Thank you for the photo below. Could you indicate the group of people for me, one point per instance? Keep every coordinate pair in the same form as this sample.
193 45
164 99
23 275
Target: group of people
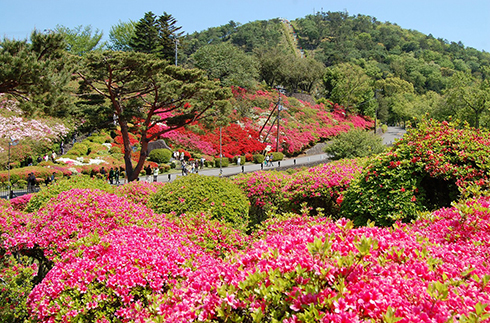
149 171
268 160
113 176
32 180
191 167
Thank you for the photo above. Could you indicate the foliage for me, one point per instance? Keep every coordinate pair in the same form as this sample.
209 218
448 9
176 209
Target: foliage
120 36
35 73
195 193
16 274
355 143
156 35
432 166
172 96
227 63
42 198
80 40
160 156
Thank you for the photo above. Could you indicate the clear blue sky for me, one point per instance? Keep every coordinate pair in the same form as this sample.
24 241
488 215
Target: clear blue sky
467 21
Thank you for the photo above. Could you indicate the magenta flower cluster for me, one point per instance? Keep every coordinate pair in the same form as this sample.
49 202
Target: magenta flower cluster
112 259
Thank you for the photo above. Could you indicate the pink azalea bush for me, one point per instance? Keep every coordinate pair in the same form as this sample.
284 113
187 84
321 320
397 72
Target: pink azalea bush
317 187
305 269
302 125
138 191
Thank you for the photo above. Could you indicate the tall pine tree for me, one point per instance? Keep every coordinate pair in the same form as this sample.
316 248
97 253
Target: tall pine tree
156 35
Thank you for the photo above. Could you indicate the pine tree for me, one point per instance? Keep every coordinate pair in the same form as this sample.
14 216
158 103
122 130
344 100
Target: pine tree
156 35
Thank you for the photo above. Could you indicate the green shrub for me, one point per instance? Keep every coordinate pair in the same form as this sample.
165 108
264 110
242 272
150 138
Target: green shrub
78 149
277 155
196 193
160 156
40 199
225 162
258 158
355 143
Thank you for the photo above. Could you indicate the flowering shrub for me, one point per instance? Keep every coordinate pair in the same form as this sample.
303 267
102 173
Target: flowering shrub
317 187
40 199
195 193
138 191
20 203
432 166
321 187
301 126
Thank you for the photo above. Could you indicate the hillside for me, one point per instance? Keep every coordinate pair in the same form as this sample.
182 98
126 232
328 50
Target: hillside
407 72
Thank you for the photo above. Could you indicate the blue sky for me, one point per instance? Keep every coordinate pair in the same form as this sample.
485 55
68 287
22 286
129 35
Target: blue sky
455 20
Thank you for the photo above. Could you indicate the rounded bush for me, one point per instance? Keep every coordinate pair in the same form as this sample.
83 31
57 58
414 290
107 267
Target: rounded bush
195 193
277 155
40 199
160 156
225 162
355 143
258 158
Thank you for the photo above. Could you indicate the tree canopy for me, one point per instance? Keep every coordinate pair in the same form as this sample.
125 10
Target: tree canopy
36 73
149 97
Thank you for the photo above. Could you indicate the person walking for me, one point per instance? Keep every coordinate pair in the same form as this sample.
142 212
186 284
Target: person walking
267 160
155 174
148 173
103 172
116 175
111 176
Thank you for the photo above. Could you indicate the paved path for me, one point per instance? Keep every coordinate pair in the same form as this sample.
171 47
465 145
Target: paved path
391 134
388 138
234 169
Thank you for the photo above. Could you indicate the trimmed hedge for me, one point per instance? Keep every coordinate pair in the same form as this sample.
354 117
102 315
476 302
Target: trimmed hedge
195 193
160 156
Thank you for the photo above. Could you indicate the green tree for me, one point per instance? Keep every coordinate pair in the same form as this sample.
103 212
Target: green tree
349 86
228 63
80 40
36 73
156 35
271 63
471 93
149 97
120 36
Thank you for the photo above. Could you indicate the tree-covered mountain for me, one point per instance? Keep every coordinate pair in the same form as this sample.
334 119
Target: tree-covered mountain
354 60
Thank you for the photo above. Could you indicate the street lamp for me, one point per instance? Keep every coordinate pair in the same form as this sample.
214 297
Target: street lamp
11 143
220 154
176 43
279 109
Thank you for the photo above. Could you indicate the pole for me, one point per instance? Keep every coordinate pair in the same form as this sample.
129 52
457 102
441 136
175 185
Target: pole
176 42
278 118
8 170
220 153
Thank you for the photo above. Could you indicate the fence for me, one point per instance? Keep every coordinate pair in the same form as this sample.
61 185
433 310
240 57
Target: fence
8 194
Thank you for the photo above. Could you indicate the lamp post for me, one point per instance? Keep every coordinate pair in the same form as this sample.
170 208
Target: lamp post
220 154
279 109
176 43
11 143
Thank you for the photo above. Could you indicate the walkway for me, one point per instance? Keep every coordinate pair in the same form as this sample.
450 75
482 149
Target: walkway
248 168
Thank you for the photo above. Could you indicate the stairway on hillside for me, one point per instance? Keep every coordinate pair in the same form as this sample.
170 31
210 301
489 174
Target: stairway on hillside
291 34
